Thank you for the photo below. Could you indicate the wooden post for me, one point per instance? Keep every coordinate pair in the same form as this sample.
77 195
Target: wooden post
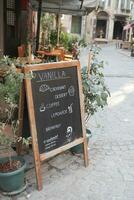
89 63
85 148
20 113
38 24
29 54
58 29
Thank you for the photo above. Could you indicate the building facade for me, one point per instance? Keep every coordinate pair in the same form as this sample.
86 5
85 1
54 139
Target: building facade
11 26
17 25
74 24
107 22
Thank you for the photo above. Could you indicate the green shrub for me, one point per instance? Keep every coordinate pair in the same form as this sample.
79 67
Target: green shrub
95 90
53 37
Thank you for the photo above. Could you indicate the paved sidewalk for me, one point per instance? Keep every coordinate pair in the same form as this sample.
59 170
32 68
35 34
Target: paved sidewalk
125 52
110 175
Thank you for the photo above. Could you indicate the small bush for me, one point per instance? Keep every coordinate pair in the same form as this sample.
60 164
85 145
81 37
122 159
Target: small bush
95 90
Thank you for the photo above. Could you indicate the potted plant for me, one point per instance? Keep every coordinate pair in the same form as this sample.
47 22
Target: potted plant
11 168
95 90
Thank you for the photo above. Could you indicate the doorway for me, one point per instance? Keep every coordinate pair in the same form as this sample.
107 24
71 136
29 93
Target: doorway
101 28
101 24
118 29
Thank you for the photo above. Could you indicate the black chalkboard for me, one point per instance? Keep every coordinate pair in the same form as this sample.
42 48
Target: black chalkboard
56 106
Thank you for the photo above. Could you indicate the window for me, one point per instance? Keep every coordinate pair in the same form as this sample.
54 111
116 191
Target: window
128 5
102 3
123 4
117 4
76 24
10 12
11 4
109 3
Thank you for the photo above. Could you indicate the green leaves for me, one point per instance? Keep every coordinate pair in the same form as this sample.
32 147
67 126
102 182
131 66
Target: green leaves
9 99
95 91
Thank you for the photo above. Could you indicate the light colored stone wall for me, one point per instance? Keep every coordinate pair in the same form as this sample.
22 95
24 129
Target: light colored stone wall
1 28
111 28
83 26
89 26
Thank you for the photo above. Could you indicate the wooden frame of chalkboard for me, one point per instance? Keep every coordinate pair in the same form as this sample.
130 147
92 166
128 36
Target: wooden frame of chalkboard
56 110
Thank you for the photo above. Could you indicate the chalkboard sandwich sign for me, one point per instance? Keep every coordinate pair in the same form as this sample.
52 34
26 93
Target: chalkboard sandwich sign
56 110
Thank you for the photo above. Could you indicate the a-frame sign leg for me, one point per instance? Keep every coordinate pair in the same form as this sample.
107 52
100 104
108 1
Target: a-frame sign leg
85 146
37 166
85 152
34 133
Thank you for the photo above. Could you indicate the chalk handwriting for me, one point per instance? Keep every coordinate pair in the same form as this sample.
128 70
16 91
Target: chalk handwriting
52 105
44 107
62 95
51 139
50 128
44 88
52 144
47 145
50 75
60 113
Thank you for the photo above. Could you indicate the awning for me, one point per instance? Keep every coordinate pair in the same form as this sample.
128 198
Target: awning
128 26
70 7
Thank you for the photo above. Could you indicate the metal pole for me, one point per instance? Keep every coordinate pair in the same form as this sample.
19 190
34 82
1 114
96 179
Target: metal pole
81 3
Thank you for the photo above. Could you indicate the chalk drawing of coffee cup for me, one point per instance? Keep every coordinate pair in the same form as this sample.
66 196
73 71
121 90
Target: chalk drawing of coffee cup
71 90
69 133
42 107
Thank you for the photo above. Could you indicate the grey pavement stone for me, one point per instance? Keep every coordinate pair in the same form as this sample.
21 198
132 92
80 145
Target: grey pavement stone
4 197
116 148
22 198
124 148
62 161
131 147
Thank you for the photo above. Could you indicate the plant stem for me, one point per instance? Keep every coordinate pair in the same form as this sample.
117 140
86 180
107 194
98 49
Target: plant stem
10 159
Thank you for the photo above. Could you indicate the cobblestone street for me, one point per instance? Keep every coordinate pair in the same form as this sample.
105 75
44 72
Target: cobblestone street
110 174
